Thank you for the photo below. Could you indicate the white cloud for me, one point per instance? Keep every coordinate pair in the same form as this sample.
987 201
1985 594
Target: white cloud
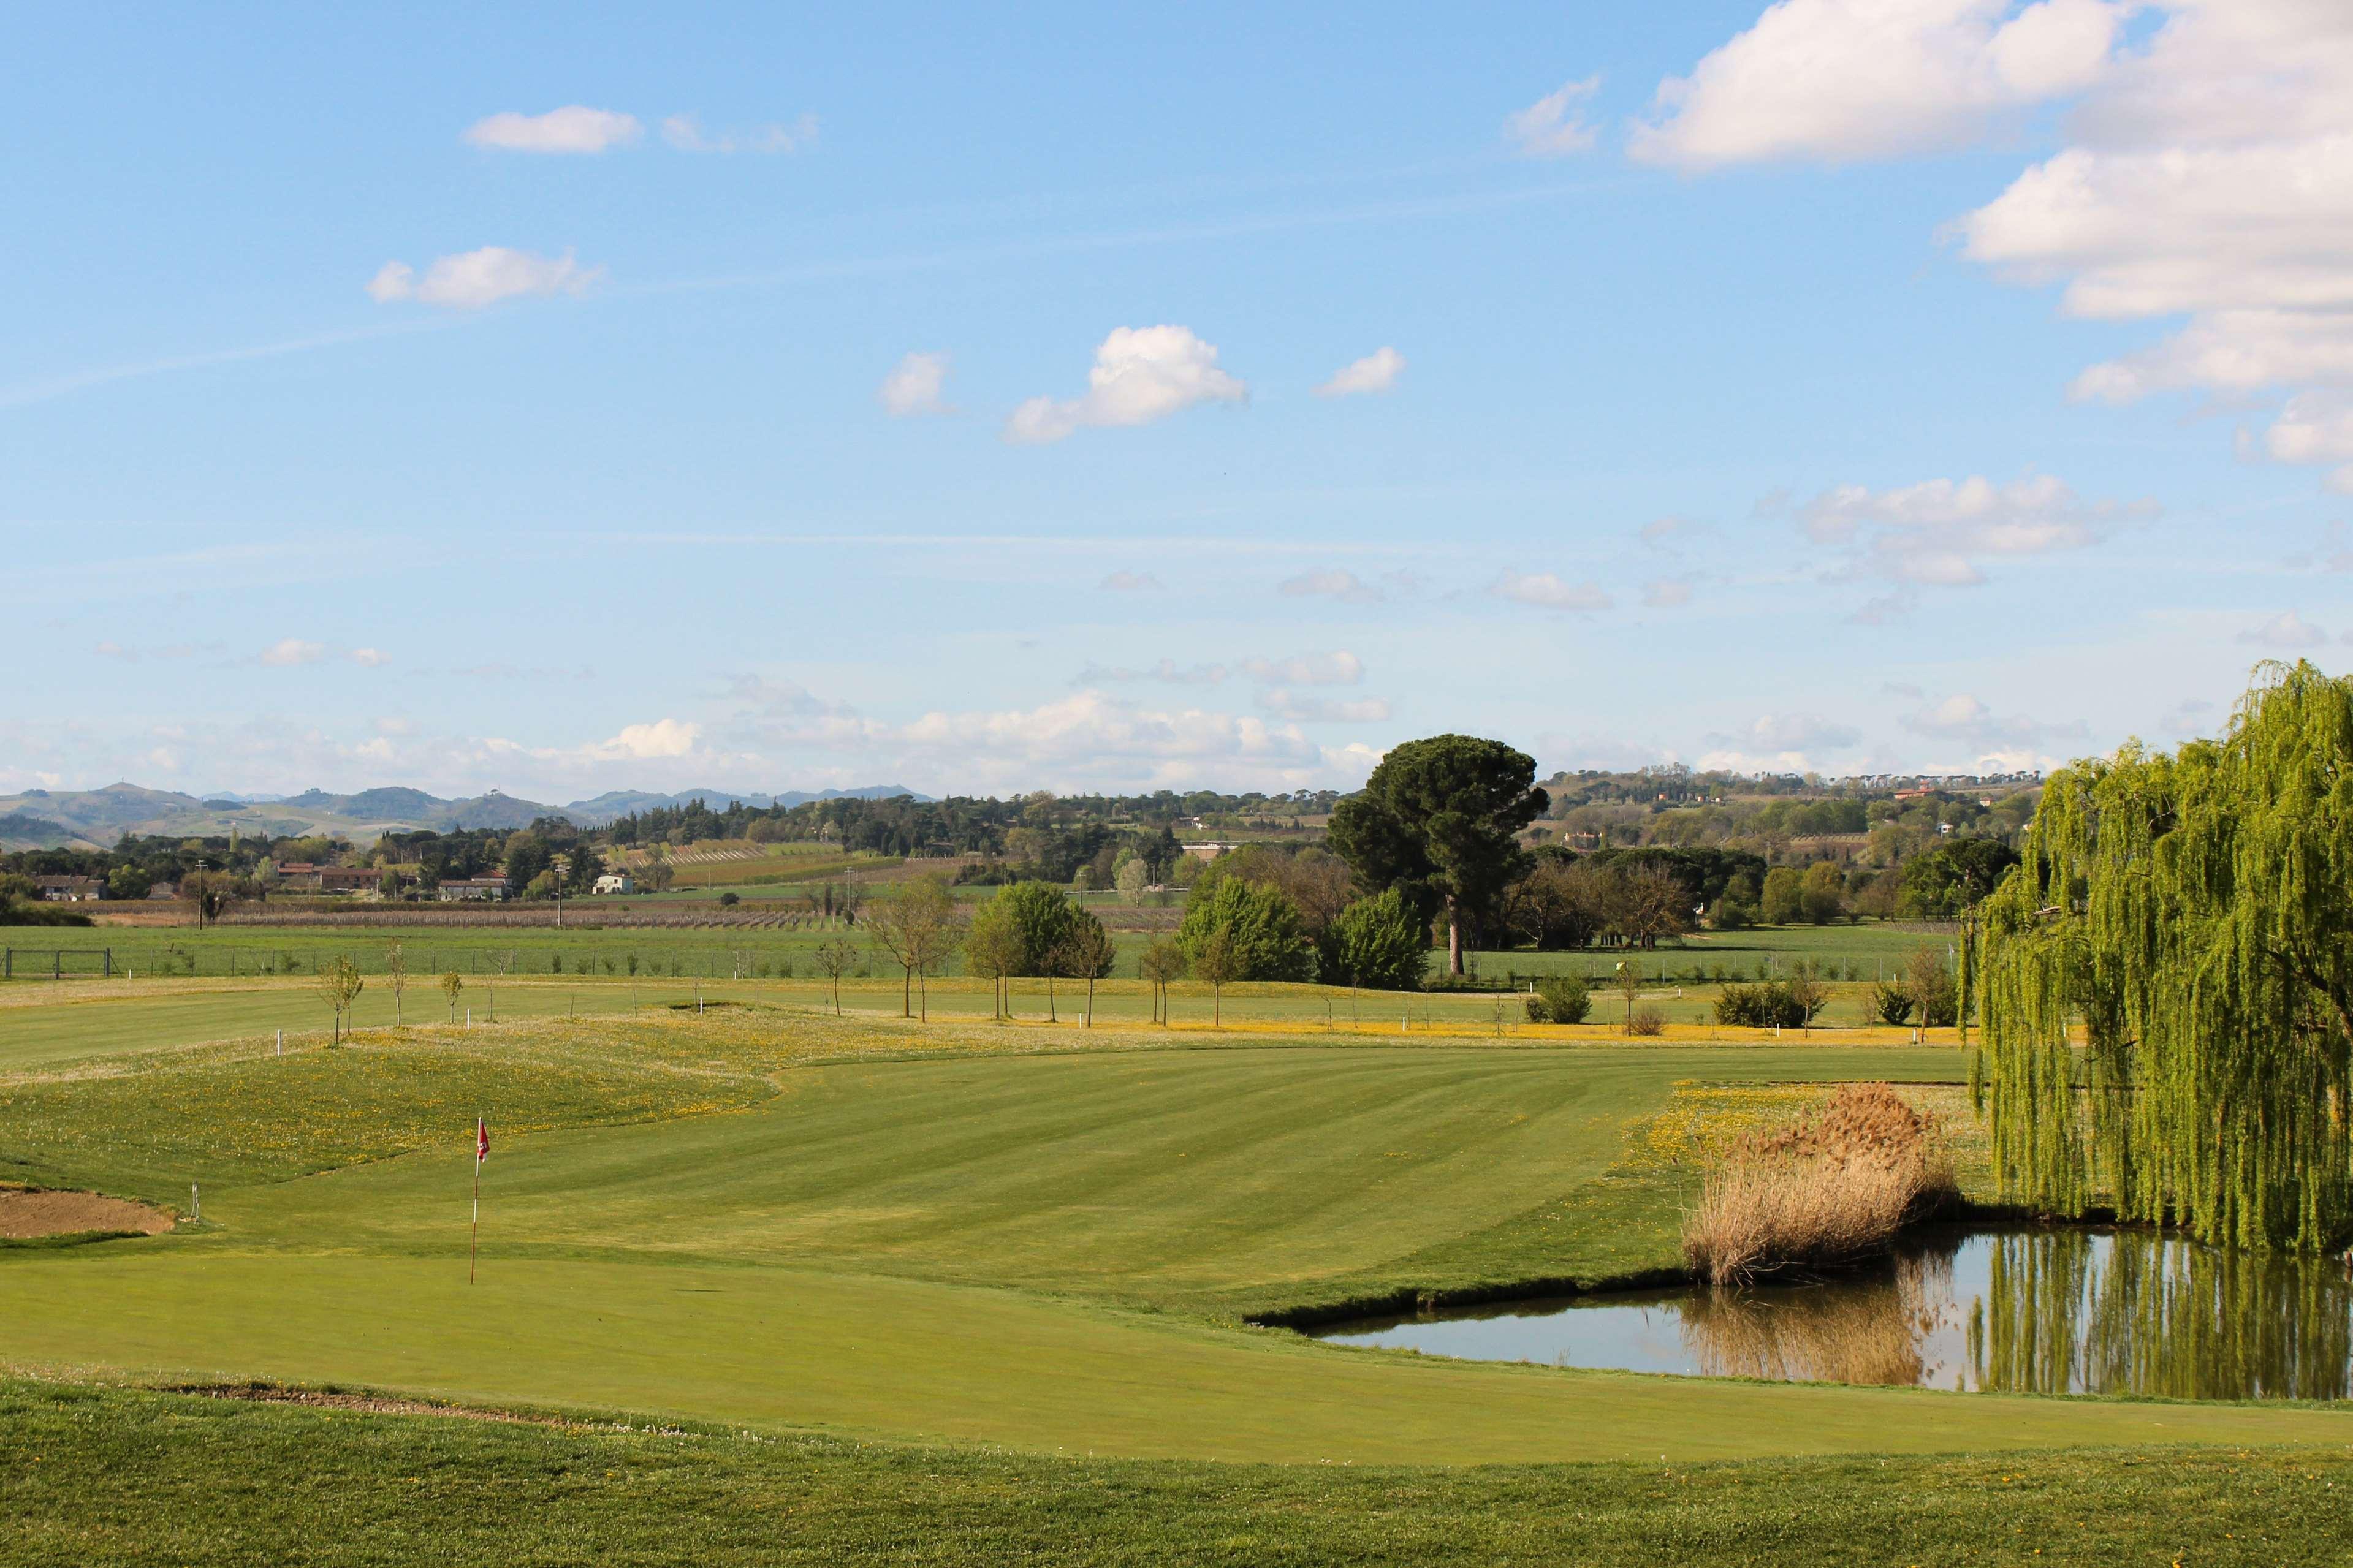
1377 371
575 128
292 651
683 132
1339 668
915 386
2316 427
641 742
1938 532
2010 740
2209 175
1554 126
1140 375
1548 591
1131 582
484 276
1323 710
371 658
1106 737
1667 592
2287 632
1345 587
1845 80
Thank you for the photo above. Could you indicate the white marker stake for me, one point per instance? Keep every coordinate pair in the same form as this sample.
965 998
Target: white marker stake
281 1042
469 1017
196 1206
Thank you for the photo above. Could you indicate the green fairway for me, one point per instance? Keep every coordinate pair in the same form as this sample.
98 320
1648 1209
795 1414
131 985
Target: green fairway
1004 1239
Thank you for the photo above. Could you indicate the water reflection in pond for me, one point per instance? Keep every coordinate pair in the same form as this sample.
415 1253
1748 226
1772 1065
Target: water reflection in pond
2043 1311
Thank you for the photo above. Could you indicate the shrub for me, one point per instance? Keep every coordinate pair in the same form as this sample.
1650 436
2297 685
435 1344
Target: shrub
1822 1191
1647 1021
730 900
1560 999
1772 1004
1261 925
1380 941
1892 1002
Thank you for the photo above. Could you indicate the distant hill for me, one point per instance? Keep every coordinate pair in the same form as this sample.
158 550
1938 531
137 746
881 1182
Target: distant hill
22 830
42 819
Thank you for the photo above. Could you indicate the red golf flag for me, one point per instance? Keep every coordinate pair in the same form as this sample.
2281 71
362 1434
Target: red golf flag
481 1140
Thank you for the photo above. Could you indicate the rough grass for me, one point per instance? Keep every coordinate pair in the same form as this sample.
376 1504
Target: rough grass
1824 1190
101 1477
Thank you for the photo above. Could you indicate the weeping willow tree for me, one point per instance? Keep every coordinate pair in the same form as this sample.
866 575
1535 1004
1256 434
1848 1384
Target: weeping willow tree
2190 917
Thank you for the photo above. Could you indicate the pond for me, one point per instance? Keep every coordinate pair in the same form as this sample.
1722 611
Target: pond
2043 1311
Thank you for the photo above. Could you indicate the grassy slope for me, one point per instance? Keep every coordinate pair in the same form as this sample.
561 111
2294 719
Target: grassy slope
101 1476
1044 1252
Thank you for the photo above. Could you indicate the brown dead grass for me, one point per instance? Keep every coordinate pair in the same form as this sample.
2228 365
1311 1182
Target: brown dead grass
28 1213
1822 1191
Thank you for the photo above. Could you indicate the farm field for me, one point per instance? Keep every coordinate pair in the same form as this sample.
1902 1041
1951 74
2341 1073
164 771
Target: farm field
840 1255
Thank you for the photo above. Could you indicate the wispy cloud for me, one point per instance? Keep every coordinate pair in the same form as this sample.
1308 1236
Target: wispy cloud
484 276
575 128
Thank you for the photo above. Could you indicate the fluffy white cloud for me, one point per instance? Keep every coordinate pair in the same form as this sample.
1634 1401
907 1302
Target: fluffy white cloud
575 128
1131 582
2007 741
484 276
1377 371
915 385
641 742
1843 80
1339 668
1095 730
2208 175
2316 427
1936 533
292 651
371 658
1548 591
683 132
2286 632
1140 375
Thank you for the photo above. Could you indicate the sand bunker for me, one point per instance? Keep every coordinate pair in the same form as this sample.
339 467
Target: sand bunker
26 1213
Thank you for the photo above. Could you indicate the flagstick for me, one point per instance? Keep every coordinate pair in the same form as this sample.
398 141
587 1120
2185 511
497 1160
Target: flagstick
475 1251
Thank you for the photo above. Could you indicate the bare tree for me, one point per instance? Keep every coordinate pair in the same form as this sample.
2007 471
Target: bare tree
916 925
1628 979
835 958
395 968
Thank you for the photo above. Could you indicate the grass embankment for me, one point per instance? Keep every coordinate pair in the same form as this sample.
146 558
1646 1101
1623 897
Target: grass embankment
93 1475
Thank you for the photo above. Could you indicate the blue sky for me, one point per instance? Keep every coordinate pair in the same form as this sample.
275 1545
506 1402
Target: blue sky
634 399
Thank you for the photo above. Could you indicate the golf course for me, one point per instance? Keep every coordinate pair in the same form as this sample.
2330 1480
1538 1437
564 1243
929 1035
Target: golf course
813 1288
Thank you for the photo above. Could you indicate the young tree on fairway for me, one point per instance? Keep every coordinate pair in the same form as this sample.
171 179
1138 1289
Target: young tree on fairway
1087 955
452 983
340 983
835 958
1439 819
993 950
1217 959
916 925
1162 963
1627 978
395 969
1040 916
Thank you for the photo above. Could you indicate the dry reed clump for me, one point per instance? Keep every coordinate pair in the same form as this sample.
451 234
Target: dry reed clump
1822 1191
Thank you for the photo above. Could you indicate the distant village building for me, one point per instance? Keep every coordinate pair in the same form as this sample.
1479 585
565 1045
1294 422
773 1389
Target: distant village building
474 889
1209 850
1845 849
69 890
162 890
615 882
300 875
